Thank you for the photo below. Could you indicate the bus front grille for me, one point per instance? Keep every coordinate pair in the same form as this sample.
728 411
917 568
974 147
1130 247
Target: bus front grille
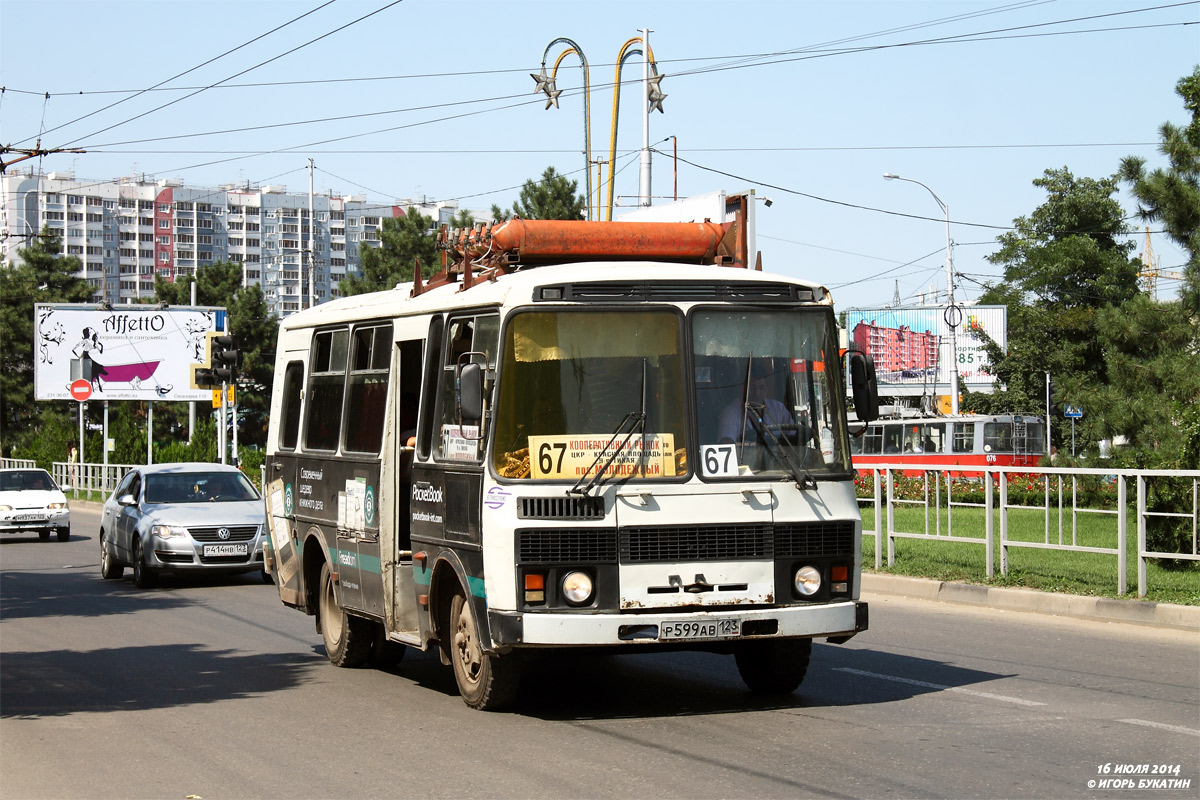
666 544
567 507
569 546
695 543
814 539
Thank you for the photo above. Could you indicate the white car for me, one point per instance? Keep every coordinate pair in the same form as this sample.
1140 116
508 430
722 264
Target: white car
192 517
30 500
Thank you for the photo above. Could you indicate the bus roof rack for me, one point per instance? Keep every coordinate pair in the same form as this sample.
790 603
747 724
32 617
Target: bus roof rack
485 252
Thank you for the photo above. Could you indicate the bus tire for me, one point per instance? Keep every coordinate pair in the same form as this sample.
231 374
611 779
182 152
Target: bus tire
773 666
347 638
487 682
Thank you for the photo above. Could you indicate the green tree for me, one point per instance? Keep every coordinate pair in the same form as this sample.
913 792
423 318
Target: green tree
404 241
551 197
216 285
32 429
1152 393
1062 265
463 219
1172 195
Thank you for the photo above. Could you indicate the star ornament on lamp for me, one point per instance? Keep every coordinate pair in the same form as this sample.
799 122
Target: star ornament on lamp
552 95
544 82
656 93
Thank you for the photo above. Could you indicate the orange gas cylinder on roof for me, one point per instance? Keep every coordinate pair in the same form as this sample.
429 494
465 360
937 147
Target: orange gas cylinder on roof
538 239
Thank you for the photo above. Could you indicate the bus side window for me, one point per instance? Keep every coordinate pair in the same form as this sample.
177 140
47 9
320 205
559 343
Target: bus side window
293 384
368 384
433 353
477 335
327 385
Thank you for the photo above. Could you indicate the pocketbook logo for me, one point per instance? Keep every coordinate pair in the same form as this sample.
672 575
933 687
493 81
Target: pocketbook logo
426 494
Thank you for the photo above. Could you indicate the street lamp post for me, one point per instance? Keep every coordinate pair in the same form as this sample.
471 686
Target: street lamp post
953 314
652 96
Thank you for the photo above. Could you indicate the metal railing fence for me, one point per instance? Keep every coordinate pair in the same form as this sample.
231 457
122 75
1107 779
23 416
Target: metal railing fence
87 477
17 463
1057 506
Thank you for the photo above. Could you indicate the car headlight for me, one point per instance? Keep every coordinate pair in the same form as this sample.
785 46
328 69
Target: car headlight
167 531
6 508
577 588
56 506
808 581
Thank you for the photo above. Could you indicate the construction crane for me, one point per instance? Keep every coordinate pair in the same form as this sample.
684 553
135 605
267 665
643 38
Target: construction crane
1151 272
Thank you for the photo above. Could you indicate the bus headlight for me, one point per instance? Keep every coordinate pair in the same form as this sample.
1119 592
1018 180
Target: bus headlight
577 588
808 581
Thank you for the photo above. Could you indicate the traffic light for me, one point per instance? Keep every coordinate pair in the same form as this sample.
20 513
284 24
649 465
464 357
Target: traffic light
203 378
222 360
225 358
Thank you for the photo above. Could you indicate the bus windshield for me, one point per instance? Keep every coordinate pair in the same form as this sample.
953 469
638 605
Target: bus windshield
768 395
588 396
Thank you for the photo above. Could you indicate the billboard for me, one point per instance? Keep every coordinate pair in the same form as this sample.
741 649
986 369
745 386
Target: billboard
913 349
131 352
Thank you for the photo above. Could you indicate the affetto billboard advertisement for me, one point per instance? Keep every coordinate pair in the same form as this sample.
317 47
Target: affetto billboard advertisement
914 350
130 352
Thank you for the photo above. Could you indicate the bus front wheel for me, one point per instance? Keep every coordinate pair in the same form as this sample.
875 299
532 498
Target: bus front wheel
487 682
347 638
773 666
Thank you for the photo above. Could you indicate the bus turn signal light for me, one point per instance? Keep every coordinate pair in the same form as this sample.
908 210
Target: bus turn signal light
535 587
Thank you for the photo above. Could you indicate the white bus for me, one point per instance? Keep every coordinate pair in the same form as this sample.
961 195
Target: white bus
532 450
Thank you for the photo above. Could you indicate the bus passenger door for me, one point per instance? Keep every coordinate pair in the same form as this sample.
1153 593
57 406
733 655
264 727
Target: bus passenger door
281 485
402 614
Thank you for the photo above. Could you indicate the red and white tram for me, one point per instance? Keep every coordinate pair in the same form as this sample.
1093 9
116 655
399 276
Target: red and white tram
1004 440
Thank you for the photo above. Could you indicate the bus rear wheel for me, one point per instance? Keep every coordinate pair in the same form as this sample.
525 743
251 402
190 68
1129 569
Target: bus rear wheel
347 638
486 681
773 666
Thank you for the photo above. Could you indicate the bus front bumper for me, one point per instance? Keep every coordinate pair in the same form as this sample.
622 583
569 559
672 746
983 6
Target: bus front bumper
838 621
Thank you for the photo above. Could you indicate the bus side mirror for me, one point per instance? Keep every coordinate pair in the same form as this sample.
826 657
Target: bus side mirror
866 390
470 393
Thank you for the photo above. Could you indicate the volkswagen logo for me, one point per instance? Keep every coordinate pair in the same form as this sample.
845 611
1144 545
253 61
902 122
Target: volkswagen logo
223 533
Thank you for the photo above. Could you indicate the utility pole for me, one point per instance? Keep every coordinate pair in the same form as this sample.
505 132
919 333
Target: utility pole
644 181
312 226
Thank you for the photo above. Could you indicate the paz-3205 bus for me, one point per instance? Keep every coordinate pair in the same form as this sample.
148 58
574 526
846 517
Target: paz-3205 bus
561 441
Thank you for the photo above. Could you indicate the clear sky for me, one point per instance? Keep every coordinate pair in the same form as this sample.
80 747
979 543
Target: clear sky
809 103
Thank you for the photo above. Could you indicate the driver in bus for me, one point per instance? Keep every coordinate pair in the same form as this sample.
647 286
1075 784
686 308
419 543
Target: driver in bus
736 416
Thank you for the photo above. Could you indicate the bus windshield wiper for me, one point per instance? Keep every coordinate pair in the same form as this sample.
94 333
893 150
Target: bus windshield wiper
636 422
782 453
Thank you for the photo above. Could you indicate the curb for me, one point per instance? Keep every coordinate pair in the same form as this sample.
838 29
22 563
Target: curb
1099 609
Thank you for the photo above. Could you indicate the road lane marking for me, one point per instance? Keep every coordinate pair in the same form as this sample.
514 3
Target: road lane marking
1173 728
940 687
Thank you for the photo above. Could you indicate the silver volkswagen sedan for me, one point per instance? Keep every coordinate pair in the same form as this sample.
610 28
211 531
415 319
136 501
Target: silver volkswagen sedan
191 517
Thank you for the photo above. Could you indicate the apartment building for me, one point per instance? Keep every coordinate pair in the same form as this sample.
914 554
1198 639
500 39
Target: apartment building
126 232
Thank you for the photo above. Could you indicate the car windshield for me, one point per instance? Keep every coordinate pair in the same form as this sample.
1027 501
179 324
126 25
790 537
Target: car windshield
199 487
26 480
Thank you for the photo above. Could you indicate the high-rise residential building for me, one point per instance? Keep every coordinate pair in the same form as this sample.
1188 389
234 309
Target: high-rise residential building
127 232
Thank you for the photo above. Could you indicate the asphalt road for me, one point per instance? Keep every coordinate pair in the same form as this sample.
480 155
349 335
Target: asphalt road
211 688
